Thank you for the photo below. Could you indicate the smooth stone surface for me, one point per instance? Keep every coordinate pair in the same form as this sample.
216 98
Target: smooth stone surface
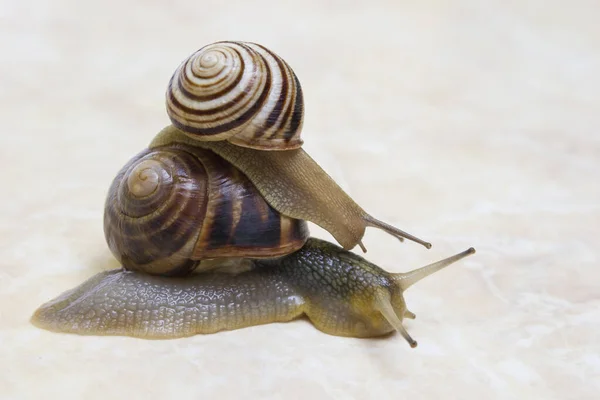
467 124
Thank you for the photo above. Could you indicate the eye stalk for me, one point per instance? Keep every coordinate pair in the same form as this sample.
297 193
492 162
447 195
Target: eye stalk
407 279
403 281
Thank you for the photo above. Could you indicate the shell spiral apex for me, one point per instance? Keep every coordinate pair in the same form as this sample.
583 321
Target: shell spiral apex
158 197
240 92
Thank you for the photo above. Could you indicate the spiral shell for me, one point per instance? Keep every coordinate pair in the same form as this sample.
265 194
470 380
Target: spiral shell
171 207
237 91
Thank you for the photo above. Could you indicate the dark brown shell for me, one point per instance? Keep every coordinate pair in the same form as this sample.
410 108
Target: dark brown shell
171 207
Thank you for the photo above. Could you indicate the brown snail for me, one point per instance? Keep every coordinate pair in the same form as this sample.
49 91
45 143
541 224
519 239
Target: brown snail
176 208
239 99
340 292
184 205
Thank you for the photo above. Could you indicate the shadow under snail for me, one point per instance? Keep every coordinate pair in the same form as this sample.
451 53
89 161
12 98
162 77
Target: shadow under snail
210 227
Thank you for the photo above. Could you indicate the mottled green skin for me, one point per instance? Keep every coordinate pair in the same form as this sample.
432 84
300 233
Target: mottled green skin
339 289
334 288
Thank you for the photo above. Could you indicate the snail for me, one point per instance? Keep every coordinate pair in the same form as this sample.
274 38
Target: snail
209 221
177 210
340 292
245 103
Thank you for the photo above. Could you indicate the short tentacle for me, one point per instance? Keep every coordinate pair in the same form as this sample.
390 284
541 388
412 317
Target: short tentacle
387 310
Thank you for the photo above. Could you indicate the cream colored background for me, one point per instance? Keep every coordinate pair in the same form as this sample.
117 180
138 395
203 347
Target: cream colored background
466 123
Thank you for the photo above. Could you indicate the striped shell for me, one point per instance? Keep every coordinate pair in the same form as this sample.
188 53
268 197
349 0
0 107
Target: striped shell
240 92
171 207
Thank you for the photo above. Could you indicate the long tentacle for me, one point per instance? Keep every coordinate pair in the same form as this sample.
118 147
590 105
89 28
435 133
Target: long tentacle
406 280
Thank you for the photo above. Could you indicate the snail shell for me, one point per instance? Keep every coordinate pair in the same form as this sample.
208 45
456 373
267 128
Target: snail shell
171 207
240 92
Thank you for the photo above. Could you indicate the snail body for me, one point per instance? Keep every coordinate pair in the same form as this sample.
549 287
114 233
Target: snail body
340 292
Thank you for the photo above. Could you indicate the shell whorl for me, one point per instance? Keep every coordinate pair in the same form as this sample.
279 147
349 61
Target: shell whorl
173 206
237 91
158 197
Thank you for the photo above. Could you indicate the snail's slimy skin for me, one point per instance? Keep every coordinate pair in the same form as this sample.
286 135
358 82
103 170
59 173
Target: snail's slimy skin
129 303
340 292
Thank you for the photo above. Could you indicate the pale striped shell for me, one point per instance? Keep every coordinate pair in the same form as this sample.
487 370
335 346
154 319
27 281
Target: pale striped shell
237 91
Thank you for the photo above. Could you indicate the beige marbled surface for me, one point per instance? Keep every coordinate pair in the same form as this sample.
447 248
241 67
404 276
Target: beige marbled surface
474 123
